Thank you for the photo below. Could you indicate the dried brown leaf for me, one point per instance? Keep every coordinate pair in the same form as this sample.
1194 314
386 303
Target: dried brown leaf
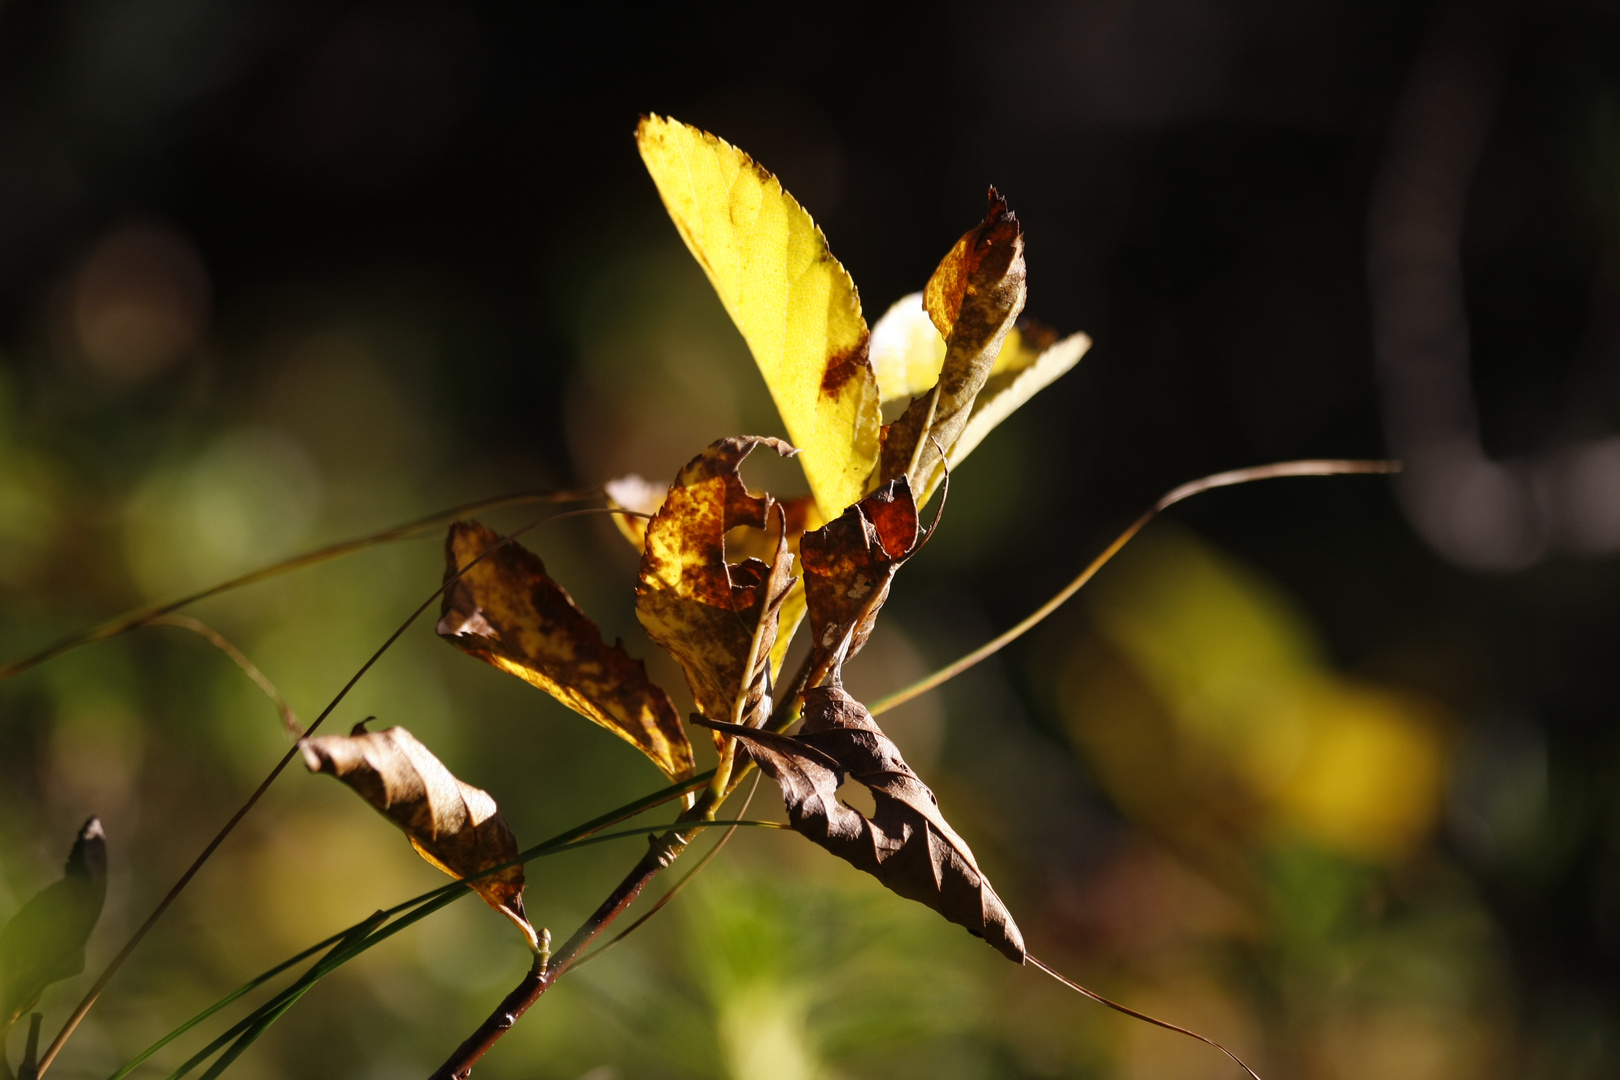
973 299
719 620
451 824
44 942
850 559
906 844
508 611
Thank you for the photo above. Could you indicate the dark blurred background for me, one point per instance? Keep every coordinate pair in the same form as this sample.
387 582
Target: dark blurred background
1324 768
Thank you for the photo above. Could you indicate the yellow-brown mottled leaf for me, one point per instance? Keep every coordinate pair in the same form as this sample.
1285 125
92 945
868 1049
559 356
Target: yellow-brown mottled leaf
718 620
973 298
906 843
794 304
508 611
44 942
452 825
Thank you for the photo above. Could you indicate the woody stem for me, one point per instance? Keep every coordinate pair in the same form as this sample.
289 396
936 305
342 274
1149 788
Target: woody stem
662 853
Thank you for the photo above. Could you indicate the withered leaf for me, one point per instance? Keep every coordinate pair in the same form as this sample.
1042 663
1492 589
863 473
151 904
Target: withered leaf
718 620
451 824
508 611
906 844
633 493
44 942
848 565
973 299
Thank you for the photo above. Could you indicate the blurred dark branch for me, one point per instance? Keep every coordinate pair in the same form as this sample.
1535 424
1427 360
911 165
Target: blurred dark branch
1476 511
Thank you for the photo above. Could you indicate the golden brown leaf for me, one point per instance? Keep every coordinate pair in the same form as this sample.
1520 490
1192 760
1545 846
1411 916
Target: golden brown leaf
44 942
508 611
717 619
849 560
906 843
451 824
973 299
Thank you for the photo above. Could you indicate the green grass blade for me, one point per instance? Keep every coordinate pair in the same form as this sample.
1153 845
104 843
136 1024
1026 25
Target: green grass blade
437 898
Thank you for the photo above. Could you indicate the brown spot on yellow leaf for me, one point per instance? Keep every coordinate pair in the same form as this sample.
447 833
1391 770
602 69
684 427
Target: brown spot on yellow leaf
844 366
451 824
508 611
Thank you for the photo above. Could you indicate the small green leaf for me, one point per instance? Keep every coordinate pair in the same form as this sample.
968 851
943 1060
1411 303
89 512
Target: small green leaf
44 942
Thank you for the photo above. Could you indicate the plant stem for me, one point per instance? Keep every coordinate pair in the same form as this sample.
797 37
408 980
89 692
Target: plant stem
663 852
1187 490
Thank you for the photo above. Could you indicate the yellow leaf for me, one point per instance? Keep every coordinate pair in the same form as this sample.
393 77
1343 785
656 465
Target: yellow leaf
1004 393
508 611
793 302
451 824
907 351
718 620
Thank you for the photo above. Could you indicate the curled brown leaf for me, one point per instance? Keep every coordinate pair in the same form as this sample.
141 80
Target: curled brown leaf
451 824
906 843
973 298
508 611
848 565
718 620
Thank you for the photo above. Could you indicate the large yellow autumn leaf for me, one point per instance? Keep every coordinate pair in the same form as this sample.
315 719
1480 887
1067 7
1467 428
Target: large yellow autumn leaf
793 302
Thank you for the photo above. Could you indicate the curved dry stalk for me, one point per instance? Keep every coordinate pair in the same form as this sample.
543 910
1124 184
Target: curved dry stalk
1314 467
140 616
1144 1017
117 961
289 719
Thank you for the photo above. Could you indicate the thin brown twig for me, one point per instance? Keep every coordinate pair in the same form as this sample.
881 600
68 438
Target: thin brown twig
1128 1011
1185 491
663 852
117 962
140 616
289 719
675 890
